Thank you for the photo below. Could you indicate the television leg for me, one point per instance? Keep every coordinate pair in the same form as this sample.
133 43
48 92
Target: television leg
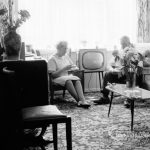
99 80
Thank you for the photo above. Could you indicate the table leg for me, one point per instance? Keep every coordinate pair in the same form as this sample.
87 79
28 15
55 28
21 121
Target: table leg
100 85
102 75
112 94
132 113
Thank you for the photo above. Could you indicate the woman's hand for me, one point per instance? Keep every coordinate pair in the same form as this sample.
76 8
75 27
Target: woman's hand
59 72
68 67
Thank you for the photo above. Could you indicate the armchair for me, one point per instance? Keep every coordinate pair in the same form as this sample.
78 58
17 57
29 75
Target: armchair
24 90
55 87
146 78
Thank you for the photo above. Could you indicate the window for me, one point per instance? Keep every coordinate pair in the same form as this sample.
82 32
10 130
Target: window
83 23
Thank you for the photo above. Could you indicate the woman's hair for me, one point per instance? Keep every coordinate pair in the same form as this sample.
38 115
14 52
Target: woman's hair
12 43
61 44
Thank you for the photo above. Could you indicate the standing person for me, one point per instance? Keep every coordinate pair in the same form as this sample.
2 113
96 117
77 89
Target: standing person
59 64
114 75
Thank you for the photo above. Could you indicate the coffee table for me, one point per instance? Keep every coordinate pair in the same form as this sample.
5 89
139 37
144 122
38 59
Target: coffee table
131 93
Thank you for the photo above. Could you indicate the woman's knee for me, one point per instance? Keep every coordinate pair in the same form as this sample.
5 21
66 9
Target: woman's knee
68 82
77 81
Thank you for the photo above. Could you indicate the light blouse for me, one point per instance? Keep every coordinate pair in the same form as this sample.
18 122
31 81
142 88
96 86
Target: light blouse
56 63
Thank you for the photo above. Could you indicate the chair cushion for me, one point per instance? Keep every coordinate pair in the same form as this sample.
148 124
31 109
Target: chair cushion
41 113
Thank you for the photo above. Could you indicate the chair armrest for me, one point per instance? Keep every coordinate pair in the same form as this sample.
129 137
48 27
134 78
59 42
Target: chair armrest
50 80
146 70
7 71
78 73
50 75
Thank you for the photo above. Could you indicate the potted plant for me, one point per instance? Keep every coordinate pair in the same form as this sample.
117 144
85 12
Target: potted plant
8 25
131 67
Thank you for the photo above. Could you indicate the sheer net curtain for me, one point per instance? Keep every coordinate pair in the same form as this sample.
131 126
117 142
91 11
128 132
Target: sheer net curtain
83 23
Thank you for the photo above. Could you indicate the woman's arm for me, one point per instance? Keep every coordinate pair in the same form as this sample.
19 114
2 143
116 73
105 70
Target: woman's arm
52 68
57 73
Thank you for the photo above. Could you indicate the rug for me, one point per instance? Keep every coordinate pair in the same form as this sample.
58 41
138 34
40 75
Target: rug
92 129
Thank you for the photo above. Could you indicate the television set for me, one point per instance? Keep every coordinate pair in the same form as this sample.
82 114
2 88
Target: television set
92 59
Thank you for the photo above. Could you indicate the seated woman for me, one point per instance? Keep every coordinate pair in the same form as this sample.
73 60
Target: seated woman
59 64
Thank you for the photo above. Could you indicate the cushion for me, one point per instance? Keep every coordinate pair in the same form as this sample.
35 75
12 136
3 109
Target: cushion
41 113
146 62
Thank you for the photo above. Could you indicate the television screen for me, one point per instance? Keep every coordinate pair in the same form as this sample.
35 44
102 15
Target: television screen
92 59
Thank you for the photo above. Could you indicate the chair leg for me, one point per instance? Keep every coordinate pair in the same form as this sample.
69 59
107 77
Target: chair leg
52 97
64 93
69 134
43 147
43 131
54 128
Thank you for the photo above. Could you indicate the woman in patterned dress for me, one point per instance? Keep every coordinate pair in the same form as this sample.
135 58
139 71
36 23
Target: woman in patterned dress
59 64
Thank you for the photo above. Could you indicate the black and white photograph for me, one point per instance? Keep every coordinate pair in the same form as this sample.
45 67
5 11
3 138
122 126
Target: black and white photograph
75 74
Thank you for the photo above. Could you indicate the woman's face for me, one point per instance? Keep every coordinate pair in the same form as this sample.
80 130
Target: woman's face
62 50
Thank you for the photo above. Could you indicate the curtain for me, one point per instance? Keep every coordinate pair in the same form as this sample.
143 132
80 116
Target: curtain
83 23
143 10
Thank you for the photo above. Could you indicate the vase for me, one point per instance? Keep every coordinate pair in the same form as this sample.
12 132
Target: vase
12 36
12 42
131 80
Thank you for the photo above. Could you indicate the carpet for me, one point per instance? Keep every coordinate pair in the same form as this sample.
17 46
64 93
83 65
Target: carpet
93 130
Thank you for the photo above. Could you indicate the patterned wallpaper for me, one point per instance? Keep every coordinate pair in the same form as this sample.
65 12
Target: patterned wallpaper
143 31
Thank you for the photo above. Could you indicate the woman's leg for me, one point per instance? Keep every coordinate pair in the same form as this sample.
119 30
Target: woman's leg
79 90
75 89
71 89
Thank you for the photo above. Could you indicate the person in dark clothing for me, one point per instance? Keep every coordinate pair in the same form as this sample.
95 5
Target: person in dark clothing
114 75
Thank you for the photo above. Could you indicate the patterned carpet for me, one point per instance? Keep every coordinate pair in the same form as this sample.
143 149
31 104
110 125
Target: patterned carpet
93 130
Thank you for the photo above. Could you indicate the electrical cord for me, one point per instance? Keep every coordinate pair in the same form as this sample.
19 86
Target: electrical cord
90 81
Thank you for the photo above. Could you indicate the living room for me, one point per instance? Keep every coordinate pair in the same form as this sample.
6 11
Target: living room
93 30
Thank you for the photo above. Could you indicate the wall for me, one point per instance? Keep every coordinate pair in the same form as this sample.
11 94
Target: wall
143 31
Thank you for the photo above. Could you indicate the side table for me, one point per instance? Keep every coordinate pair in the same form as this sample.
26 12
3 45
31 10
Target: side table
132 94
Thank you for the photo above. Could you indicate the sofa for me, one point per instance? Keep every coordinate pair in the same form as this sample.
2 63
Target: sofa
144 49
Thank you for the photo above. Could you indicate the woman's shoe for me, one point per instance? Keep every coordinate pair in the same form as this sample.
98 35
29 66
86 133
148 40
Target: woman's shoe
83 104
102 101
127 103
